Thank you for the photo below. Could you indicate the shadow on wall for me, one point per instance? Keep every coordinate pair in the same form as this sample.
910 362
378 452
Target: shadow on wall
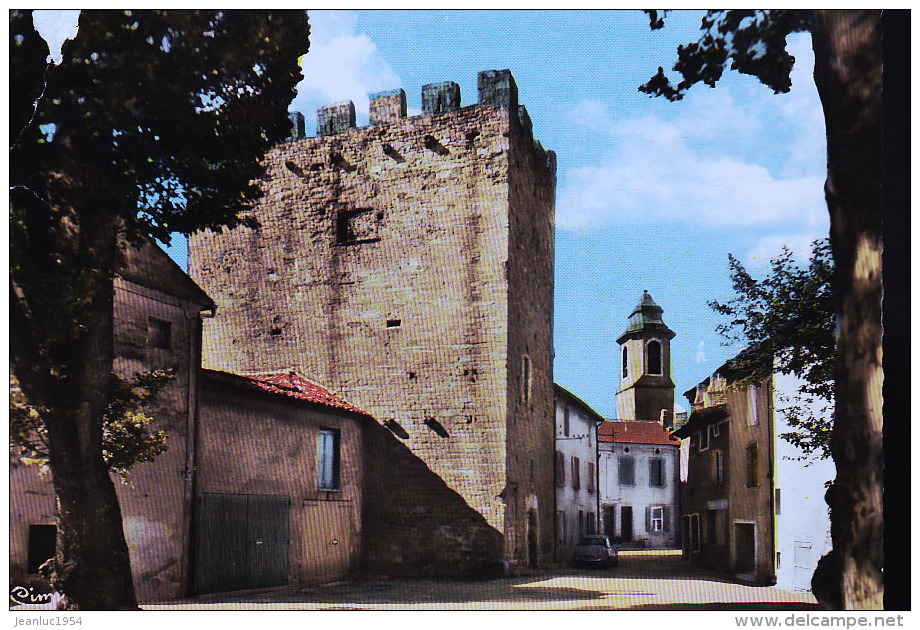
413 524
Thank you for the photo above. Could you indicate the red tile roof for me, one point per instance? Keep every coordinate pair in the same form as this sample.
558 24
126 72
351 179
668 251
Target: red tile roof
289 384
636 433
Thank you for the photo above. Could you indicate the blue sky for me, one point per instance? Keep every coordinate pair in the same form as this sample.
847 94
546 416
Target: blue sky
651 195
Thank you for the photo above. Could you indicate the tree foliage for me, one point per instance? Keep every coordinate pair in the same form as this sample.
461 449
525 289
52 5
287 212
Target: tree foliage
127 437
786 323
747 40
154 122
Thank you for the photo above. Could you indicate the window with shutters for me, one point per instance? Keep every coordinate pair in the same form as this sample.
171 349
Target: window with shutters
560 469
753 466
590 480
656 472
626 471
576 473
565 421
719 465
657 518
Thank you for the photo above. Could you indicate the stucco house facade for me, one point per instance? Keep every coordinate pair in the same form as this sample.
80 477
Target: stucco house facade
639 484
575 471
728 506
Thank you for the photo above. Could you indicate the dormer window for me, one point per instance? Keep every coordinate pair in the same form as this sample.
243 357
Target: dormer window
654 357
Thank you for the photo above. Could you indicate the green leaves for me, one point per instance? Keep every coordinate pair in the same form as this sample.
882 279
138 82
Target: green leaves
786 321
753 41
127 438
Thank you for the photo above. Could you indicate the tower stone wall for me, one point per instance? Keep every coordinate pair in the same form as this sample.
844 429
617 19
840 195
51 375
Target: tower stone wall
408 266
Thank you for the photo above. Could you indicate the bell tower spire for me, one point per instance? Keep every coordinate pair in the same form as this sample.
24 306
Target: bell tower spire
646 390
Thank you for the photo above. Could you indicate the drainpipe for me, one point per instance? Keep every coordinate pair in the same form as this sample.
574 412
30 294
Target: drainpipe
597 473
191 448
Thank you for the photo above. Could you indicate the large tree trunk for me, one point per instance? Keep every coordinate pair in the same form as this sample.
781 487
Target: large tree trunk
848 74
92 566
66 367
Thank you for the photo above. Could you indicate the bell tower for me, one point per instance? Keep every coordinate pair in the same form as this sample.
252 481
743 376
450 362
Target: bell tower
646 390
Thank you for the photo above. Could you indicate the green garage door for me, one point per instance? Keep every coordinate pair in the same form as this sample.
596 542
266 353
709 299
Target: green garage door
241 542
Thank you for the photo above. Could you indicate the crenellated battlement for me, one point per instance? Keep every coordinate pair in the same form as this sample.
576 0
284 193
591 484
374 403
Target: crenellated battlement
497 88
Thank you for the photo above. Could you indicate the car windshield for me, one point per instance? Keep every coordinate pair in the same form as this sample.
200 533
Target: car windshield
594 540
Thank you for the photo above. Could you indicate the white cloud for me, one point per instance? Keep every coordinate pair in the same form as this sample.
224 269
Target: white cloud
341 65
758 258
737 156
701 353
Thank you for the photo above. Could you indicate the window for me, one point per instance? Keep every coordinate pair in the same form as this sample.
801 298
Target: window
753 398
704 440
753 466
357 226
581 523
560 527
776 502
560 469
714 431
159 333
719 465
526 378
656 472
654 357
42 545
328 463
656 519
591 524
625 361
691 532
626 469
576 473
591 477
565 421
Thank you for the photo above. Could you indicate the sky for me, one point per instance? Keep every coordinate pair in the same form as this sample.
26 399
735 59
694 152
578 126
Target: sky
651 195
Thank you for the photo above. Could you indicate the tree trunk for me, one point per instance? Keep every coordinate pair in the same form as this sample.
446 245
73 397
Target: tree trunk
92 566
848 74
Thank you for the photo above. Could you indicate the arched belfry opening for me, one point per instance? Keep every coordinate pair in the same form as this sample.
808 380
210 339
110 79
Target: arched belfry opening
646 391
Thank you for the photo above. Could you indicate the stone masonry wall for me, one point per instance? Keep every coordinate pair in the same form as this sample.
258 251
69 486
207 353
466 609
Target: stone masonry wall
381 269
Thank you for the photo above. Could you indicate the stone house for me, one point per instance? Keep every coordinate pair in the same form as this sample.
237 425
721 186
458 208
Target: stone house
639 484
408 266
575 470
728 503
158 315
262 481
278 484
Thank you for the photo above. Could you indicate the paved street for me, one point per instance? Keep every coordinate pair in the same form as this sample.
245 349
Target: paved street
643 581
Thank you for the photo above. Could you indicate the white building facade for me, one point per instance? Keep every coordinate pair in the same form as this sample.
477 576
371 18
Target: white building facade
639 465
803 532
575 471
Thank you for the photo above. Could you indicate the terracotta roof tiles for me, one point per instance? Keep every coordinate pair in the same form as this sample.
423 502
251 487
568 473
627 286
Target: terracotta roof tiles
289 384
636 433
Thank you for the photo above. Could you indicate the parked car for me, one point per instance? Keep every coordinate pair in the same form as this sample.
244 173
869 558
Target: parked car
595 551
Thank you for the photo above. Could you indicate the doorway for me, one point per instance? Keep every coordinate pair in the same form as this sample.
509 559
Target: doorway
745 551
626 523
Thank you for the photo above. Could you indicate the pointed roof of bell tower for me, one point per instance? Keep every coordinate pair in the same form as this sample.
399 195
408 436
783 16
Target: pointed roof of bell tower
645 320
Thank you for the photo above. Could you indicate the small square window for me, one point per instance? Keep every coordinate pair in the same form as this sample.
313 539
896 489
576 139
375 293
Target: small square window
42 545
159 333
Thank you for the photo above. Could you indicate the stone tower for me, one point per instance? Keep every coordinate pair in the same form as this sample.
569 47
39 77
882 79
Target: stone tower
646 390
408 266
